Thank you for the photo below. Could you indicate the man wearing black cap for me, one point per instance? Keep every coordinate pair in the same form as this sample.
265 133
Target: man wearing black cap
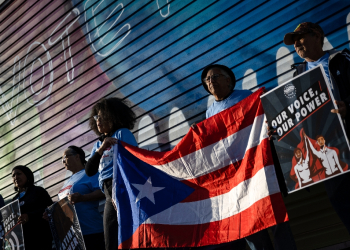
308 39
219 81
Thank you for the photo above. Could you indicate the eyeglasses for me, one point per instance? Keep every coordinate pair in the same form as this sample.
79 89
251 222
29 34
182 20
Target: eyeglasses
64 158
96 117
213 77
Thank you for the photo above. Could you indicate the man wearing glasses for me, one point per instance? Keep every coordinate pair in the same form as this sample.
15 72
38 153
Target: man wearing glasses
219 81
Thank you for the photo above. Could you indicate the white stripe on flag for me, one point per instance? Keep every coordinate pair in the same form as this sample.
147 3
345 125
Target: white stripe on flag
241 197
217 155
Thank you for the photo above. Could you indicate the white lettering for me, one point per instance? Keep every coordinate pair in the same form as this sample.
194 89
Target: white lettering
290 122
279 131
66 33
311 106
291 108
311 93
317 100
323 97
285 127
49 61
279 119
296 104
284 115
274 124
101 40
303 112
69 235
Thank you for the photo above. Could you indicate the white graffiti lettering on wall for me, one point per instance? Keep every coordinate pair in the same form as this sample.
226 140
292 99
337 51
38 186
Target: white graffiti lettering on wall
101 43
160 10
61 36
22 80
10 105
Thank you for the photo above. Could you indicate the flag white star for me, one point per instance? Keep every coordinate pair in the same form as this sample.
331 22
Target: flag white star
146 190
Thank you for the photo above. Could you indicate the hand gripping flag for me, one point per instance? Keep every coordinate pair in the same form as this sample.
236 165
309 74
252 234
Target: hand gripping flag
217 185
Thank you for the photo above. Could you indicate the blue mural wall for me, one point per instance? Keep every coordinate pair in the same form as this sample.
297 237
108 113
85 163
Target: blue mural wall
57 58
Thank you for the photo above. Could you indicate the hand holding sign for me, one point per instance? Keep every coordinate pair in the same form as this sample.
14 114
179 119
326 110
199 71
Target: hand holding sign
75 198
23 219
341 108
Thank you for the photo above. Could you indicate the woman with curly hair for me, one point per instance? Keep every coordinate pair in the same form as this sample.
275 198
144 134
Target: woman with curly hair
111 119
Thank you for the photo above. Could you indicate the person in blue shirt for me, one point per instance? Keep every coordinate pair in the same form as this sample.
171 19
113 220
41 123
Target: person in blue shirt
219 81
84 192
111 119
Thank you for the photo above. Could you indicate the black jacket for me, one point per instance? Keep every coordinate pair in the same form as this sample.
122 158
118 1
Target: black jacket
36 232
339 70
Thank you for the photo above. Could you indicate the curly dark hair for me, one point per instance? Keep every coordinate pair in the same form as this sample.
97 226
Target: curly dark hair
115 112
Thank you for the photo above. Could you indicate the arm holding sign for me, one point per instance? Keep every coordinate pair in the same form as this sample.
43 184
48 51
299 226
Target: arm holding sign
341 109
314 151
94 196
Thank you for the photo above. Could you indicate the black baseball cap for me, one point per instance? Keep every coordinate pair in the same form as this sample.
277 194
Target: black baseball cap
223 67
303 28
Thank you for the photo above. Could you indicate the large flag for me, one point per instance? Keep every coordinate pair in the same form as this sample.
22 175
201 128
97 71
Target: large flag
217 185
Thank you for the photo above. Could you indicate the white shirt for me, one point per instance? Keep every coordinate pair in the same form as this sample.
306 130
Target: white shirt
328 157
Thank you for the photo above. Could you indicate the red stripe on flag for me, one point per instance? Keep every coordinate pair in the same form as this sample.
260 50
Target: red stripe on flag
207 132
223 180
235 227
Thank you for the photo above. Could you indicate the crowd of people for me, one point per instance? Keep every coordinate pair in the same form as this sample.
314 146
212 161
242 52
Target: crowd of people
111 119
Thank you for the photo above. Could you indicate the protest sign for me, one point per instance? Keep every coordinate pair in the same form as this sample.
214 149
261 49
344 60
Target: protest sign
310 141
65 226
11 232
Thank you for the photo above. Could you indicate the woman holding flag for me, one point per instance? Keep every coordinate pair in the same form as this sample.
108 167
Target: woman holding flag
111 119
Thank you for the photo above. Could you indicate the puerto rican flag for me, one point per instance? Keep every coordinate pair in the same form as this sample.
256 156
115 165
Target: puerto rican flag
217 185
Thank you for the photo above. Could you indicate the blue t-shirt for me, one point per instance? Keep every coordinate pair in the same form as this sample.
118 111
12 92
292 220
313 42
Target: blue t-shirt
89 217
324 61
235 97
106 163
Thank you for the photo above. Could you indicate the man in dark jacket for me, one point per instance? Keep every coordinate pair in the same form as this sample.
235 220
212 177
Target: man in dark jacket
307 39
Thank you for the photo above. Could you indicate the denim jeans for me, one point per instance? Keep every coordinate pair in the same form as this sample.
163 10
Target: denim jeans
110 219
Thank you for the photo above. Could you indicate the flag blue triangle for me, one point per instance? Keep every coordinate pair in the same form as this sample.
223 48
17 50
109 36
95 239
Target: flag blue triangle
142 191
